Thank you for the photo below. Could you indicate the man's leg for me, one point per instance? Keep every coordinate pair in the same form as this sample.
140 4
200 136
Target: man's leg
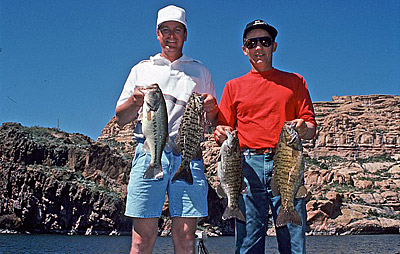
144 234
291 238
250 235
145 200
183 234
187 202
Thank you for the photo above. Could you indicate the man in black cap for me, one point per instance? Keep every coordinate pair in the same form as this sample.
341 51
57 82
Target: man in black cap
257 105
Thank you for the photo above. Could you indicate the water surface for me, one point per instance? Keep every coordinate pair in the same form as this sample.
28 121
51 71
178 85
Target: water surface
387 244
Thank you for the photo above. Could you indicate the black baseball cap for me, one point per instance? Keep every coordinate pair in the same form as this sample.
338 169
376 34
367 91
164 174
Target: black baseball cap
262 25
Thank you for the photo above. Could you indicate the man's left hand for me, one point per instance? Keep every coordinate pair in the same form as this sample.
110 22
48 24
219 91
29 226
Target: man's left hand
209 103
305 129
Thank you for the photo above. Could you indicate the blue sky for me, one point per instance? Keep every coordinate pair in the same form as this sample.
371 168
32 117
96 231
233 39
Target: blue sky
67 61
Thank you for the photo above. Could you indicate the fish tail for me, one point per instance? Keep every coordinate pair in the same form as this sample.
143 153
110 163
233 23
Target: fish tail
286 216
183 173
154 171
233 213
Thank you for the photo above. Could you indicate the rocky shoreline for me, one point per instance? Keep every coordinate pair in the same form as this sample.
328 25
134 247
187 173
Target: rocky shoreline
66 183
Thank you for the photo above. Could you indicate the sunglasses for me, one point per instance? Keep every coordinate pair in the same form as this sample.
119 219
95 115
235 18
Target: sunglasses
252 43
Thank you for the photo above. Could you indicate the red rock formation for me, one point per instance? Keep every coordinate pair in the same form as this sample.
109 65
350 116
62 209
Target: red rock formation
353 174
350 128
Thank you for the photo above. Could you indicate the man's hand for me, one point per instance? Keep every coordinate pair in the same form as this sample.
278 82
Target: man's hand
137 97
210 106
305 129
209 102
220 133
126 112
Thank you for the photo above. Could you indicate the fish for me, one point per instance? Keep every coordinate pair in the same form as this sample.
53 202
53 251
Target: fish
190 135
229 171
154 128
288 174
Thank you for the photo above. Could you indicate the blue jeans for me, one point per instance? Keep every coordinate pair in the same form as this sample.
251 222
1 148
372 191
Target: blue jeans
250 235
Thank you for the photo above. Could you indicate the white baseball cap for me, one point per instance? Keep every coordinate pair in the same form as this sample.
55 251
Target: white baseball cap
171 13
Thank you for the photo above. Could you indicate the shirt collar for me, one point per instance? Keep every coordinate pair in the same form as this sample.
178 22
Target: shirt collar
158 59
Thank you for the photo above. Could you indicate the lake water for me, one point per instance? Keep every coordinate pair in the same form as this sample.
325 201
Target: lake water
9 243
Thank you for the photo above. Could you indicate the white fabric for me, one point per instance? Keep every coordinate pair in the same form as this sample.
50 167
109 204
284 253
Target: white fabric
177 81
171 13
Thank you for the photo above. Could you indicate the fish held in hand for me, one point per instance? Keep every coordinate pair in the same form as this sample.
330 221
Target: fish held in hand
155 128
190 135
288 175
230 175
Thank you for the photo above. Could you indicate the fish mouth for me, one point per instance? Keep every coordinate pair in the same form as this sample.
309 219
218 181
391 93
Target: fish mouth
146 89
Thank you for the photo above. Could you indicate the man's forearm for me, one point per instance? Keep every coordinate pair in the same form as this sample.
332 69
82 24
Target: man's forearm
127 112
213 115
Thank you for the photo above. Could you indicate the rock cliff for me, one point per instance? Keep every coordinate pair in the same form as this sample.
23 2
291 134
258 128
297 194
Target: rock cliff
357 127
52 181
56 182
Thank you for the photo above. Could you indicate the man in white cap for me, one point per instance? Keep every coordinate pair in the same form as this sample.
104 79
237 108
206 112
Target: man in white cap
178 76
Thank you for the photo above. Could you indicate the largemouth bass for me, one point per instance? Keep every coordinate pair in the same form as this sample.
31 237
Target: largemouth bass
230 175
288 174
190 134
155 128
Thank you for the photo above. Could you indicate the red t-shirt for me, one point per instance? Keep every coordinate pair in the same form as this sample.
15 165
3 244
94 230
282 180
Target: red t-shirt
258 103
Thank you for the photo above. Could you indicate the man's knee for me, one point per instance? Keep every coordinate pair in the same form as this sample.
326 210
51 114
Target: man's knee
144 234
142 243
183 233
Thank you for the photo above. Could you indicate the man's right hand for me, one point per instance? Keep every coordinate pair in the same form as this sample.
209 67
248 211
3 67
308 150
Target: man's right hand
126 112
138 97
220 133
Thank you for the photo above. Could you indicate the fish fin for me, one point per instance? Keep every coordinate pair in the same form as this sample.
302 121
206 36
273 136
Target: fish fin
153 172
286 216
145 147
183 174
177 145
233 213
218 159
274 187
220 191
302 192
199 154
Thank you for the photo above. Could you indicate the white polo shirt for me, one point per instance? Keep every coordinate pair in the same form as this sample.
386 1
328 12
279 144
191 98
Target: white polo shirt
177 80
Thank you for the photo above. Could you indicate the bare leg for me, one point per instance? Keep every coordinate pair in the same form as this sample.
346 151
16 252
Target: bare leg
183 234
144 234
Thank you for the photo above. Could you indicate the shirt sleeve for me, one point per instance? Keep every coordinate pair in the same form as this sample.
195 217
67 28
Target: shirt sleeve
128 89
209 85
227 114
305 109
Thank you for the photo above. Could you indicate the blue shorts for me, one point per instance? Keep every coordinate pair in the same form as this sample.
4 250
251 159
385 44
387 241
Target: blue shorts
146 197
